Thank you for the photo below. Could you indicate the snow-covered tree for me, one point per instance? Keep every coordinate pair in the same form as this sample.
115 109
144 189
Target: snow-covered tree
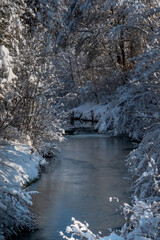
106 35
26 108
10 35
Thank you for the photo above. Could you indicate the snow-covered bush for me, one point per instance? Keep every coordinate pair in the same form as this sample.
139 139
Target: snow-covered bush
10 36
144 165
7 93
143 220
78 230
14 211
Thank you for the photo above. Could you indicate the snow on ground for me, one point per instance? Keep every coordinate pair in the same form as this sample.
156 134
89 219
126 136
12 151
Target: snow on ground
104 115
19 165
90 110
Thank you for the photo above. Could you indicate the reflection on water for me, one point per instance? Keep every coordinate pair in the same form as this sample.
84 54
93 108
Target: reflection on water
79 183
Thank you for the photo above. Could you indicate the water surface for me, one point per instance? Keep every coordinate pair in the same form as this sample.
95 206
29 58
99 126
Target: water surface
78 183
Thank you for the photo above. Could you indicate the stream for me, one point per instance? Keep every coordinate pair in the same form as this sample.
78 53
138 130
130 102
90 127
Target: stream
78 183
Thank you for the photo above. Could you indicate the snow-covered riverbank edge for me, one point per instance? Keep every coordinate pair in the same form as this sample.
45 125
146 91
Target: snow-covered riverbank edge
132 113
19 166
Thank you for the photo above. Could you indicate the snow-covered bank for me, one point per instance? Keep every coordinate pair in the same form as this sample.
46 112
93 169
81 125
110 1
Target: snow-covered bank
143 216
19 166
134 111
89 111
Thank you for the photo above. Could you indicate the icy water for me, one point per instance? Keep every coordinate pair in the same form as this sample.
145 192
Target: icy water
89 170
